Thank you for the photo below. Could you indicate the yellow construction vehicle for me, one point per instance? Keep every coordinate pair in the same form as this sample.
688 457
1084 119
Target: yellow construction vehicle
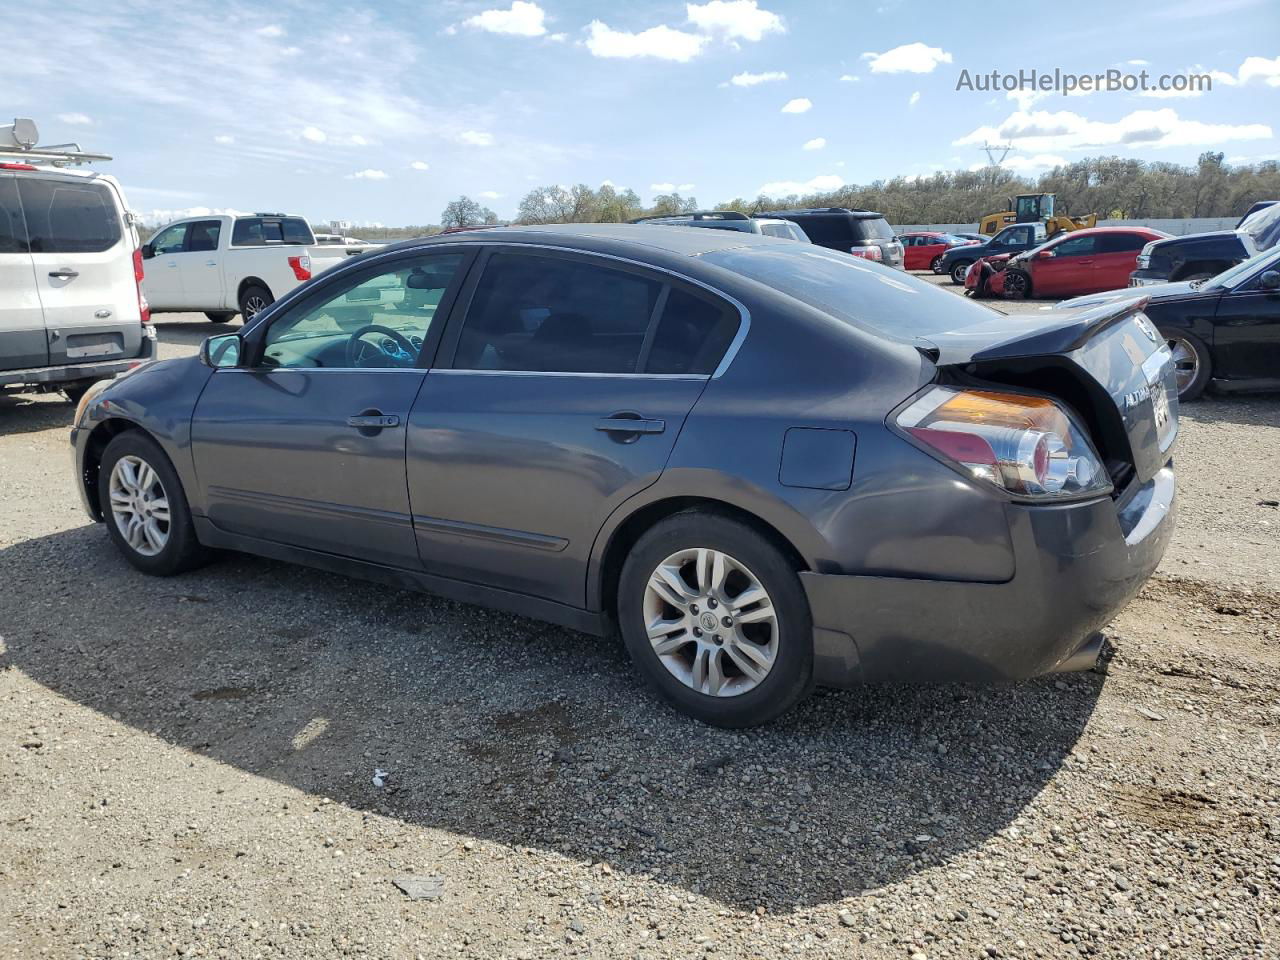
1030 208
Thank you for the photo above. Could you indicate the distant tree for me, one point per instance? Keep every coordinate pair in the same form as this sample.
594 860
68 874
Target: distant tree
465 212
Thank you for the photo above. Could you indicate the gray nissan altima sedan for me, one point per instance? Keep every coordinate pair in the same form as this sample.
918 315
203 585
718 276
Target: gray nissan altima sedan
766 465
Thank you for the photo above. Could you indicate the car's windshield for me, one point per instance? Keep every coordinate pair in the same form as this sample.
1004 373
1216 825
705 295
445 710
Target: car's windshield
890 302
1233 276
1264 226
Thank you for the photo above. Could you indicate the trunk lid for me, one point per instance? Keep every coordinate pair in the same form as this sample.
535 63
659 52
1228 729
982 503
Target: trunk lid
1113 344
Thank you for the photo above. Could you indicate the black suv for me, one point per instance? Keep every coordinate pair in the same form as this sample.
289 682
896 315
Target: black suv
1198 256
862 233
1012 239
730 220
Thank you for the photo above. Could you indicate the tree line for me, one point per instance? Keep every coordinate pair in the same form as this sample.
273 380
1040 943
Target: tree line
1112 187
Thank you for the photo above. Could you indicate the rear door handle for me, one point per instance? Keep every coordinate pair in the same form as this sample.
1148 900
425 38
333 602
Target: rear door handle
64 274
374 420
630 425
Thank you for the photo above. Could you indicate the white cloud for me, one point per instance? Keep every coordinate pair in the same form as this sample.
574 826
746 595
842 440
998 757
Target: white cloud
753 79
475 138
160 216
523 19
489 194
75 119
671 187
1026 98
850 78
558 37
784 188
271 30
1045 131
314 134
1138 63
419 165
1268 71
662 42
817 143
734 19
914 99
798 105
224 138
1025 164
908 58
368 175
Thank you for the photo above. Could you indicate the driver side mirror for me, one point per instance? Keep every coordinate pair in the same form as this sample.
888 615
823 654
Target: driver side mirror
148 251
1045 255
1270 280
221 351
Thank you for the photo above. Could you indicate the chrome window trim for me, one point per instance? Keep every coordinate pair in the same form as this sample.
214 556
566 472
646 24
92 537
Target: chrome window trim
457 371
729 354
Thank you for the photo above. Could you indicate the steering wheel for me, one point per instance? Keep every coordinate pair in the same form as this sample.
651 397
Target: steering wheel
405 356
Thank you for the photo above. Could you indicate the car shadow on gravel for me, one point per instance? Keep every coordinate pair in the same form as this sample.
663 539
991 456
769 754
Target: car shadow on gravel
508 730
32 413
1247 410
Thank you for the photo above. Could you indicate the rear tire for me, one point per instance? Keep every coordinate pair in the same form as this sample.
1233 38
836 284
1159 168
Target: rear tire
253 300
145 508
958 270
1192 363
221 316
75 391
717 625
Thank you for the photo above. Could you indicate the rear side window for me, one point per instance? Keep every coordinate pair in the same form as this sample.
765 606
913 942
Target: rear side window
203 235
247 232
692 335
875 228
69 217
548 314
1121 242
13 236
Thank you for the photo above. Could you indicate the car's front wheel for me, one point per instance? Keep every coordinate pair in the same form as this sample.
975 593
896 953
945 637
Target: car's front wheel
1017 285
145 508
715 619
958 270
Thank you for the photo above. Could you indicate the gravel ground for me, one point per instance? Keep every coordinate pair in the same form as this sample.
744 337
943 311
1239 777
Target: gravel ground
186 766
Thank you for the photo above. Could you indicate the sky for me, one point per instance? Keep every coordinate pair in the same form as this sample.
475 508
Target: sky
382 113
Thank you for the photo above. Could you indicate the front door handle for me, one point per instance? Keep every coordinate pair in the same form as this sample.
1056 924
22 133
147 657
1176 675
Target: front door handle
64 273
633 424
374 421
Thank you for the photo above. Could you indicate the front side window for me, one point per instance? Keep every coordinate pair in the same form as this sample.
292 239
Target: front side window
69 217
170 240
1076 247
553 314
366 320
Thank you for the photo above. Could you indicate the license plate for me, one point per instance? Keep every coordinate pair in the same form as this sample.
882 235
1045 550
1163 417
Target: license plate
1160 407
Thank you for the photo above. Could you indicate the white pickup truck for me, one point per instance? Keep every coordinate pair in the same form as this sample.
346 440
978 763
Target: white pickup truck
223 265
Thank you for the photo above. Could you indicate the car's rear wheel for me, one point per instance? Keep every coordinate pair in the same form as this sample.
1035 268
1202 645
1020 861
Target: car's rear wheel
958 270
715 619
219 316
145 507
1017 285
1192 365
936 265
253 300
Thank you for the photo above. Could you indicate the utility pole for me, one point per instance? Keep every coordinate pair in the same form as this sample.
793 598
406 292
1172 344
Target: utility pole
993 148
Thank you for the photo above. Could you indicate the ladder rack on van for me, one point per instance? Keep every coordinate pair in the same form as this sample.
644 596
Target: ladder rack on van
19 144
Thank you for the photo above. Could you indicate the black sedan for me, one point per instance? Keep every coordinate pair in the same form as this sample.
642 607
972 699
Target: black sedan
767 465
1223 331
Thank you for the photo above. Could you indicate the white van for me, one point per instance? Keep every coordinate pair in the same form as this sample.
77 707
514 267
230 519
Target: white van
71 304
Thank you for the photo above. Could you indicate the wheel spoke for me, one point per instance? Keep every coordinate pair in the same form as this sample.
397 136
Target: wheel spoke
711 572
128 476
701 660
759 614
154 537
751 658
669 585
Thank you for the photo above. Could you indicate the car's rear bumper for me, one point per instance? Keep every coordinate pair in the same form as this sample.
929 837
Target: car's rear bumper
74 372
1077 565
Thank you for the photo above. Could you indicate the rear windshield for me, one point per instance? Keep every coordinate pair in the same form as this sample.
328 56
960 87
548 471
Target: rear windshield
871 229
890 302
67 217
1263 226
254 231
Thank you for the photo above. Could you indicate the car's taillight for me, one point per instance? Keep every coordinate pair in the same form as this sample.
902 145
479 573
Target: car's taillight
144 309
1025 445
301 267
16 166
867 253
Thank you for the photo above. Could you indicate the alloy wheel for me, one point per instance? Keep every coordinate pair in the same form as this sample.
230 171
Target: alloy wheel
1015 284
1186 363
253 305
711 622
139 505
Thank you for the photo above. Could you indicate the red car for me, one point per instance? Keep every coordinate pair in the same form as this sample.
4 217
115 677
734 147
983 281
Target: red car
1070 265
924 250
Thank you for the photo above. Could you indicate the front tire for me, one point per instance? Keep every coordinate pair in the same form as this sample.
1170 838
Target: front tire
958 270
1192 365
1017 285
219 316
716 621
145 508
253 300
